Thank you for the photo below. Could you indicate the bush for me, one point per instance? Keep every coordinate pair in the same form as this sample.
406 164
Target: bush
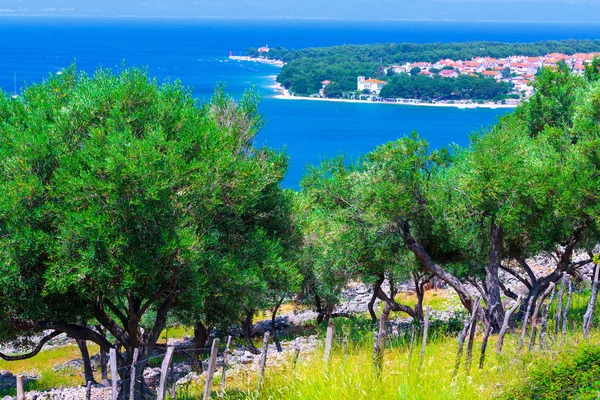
575 375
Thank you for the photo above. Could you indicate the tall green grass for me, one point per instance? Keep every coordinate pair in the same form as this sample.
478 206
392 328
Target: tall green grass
350 375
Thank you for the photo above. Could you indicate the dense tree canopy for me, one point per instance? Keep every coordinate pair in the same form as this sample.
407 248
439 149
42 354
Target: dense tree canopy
119 195
306 68
464 87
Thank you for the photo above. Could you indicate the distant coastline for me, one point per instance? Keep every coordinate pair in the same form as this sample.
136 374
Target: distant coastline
284 94
399 103
277 63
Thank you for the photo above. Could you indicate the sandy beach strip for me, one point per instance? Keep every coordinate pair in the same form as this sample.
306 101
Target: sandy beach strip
422 104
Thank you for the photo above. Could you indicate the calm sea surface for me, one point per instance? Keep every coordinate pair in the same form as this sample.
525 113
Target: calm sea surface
195 51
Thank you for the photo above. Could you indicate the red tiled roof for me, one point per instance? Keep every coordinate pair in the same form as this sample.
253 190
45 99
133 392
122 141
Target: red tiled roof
376 81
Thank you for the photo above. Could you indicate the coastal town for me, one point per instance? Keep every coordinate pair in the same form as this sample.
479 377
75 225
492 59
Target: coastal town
519 71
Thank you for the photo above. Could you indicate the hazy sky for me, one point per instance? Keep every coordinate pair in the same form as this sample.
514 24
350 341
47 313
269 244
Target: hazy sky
493 10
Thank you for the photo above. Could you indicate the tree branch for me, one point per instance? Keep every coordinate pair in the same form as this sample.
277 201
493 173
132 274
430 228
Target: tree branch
508 292
394 306
528 270
432 267
519 277
168 287
118 313
119 333
34 352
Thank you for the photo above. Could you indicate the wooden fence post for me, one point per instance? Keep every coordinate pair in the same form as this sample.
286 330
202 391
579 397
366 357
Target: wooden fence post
557 318
534 316
345 346
263 361
113 372
505 324
164 373
486 335
524 326
412 343
20 391
589 313
425 332
329 342
466 332
472 330
295 357
88 390
461 345
224 374
566 311
212 364
173 385
136 354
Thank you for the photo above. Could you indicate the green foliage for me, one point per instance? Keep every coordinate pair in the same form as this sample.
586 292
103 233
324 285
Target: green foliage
306 68
333 90
464 87
575 375
120 194
553 102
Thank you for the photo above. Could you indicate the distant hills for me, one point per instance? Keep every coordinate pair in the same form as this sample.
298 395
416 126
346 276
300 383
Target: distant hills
461 10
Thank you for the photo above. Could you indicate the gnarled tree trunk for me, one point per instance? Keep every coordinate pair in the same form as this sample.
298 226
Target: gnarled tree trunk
200 338
88 372
495 316
247 330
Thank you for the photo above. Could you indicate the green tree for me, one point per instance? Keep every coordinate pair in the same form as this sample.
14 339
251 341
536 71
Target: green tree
415 71
124 196
552 104
333 91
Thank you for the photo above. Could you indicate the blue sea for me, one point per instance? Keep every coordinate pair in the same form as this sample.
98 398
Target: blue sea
196 52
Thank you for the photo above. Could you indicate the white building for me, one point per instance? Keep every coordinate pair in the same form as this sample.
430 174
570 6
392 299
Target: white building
373 85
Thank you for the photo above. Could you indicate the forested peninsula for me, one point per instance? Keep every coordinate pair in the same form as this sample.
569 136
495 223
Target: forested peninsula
306 70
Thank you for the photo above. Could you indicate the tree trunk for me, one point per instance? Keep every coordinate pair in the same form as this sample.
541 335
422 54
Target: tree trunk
370 306
492 281
273 331
427 262
378 351
327 311
103 359
247 329
87 365
320 313
200 339
420 292
104 367
146 343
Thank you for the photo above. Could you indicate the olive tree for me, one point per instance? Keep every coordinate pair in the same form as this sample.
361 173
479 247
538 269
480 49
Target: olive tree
117 195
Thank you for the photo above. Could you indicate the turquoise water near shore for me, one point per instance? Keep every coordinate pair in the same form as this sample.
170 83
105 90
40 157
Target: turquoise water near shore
195 51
